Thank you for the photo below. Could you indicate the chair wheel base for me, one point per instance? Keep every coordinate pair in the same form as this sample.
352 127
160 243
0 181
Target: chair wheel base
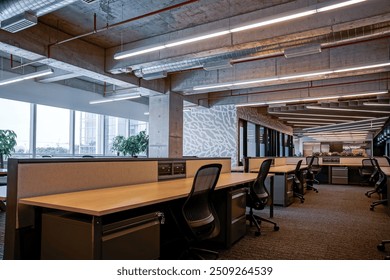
276 228
372 208
381 247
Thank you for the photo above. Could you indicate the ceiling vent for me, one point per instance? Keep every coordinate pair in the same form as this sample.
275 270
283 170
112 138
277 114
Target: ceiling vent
19 22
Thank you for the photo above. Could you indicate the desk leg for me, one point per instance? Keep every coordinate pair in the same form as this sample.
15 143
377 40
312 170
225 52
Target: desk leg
271 207
97 229
37 232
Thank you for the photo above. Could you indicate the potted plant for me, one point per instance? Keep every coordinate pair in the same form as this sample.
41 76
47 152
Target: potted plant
7 144
133 145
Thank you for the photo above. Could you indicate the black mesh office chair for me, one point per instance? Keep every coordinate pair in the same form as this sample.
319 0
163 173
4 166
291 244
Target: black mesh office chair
367 171
198 214
380 186
298 182
312 171
257 197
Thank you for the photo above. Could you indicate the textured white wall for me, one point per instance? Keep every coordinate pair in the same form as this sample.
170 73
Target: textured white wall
211 132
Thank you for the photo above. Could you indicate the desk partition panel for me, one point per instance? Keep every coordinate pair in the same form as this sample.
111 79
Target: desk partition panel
36 177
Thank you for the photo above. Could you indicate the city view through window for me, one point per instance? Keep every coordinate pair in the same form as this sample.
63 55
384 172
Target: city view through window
51 131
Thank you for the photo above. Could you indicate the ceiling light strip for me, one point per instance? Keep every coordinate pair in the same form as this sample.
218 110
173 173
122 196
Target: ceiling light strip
27 77
292 77
376 104
346 110
112 99
318 115
267 21
303 99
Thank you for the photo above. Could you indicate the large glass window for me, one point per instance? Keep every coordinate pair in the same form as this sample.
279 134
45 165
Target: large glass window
15 115
53 128
88 133
113 127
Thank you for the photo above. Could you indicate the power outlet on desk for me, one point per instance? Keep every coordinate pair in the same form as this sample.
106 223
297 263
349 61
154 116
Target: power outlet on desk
168 170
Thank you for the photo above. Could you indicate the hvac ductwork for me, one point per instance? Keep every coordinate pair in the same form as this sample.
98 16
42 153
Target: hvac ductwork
21 14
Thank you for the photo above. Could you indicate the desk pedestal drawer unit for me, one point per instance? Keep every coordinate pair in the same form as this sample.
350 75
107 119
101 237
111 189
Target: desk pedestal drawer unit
231 207
339 175
283 184
69 236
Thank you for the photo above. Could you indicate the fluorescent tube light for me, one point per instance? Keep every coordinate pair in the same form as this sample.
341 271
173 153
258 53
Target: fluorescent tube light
130 53
303 99
291 77
338 5
198 38
111 99
268 21
274 20
345 109
376 104
27 77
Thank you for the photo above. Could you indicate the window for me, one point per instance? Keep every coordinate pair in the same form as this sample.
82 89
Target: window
88 131
15 115
113 127
53 127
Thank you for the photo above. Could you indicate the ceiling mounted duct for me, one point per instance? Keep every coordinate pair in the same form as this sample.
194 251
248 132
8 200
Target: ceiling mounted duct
302 50
21 14
19 22
153 76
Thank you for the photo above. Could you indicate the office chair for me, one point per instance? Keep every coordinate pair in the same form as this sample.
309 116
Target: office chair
381 247
257 197
298 182
367 171
380 185
311 175
200 220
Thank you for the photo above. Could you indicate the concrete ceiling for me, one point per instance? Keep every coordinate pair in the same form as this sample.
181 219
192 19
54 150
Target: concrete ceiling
80 40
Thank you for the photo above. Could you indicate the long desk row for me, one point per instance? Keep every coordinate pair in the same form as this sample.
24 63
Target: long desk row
97 204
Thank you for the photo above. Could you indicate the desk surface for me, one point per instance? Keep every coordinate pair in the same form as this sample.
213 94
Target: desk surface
288 168
3 171
105 201
386 170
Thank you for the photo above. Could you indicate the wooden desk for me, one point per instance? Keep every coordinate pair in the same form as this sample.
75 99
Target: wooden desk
3 197
3 172
100 202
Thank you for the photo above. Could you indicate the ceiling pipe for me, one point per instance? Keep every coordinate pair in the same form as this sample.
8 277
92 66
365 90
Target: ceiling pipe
107 27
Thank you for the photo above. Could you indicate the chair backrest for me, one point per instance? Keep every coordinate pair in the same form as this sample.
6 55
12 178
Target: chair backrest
258 191
198 210
309 160
381 182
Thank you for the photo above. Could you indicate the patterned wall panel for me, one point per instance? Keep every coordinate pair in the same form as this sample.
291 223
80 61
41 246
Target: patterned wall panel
211 132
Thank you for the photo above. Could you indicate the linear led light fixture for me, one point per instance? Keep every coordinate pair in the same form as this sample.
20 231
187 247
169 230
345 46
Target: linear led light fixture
345 109
291 77
303 99
27 77
112 99
312 119
266 21
348 129
376 104
318 115
303 122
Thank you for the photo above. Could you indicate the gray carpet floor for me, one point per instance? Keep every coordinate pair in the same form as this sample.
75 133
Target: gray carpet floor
334 224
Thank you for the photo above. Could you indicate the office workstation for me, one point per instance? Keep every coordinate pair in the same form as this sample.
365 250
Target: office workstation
107 127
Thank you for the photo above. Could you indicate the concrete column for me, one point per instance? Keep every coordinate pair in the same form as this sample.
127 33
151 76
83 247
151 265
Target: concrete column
166 125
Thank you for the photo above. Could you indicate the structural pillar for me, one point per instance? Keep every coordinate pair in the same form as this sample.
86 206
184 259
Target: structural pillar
166 125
